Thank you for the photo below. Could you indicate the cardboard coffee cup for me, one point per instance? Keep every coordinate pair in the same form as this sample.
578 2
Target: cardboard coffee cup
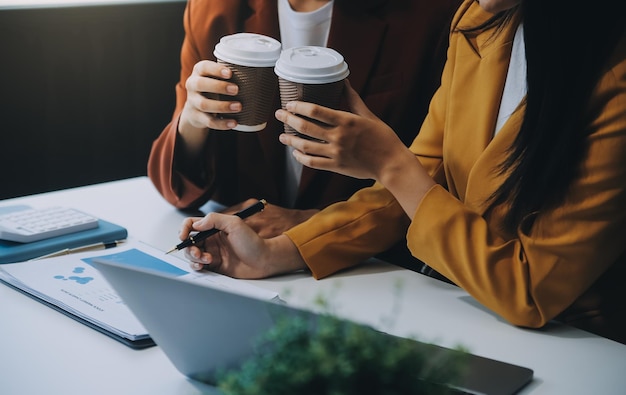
312 74
251 57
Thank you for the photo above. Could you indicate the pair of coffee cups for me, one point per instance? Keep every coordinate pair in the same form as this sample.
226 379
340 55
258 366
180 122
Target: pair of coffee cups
258 64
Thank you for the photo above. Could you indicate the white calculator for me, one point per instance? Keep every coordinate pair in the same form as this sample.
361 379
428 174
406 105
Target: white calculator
34 224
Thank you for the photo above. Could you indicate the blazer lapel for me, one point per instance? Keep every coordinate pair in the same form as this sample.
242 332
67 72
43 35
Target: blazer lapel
484 178
486 58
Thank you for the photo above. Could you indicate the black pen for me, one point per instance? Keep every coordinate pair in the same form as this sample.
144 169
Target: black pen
198 237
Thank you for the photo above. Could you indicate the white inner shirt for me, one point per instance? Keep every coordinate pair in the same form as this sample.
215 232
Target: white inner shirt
515 86
299 29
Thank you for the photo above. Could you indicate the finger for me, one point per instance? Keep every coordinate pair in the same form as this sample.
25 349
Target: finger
213 121
212 105
315 162
200 260
305 146
194 256
202 112
210 84
305 126
222 222
221 122
314 111
210 68
187 227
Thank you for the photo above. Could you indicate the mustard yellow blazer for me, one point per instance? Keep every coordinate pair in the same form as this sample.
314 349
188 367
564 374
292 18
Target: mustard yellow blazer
570 264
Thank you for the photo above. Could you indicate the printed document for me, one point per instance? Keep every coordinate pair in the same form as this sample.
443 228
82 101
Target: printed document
72 284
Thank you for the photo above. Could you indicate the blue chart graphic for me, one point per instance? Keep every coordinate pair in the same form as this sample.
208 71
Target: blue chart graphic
132 257
139 259
79 280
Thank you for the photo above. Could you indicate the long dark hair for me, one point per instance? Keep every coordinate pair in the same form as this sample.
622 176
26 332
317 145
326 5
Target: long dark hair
567 48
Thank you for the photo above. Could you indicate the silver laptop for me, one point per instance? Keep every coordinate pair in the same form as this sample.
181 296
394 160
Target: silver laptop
203 330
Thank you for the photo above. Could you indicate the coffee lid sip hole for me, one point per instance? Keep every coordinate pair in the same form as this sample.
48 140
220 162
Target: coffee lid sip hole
311 65
248 49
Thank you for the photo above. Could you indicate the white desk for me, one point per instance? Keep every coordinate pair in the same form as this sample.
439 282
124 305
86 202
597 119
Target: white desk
45 352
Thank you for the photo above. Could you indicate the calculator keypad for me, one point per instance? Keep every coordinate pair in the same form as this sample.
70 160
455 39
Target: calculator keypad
37 224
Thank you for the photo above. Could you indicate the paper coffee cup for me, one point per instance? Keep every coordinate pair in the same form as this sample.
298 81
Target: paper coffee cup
312 74
251 57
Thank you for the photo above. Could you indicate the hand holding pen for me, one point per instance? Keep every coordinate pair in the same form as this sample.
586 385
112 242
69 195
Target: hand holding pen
200 236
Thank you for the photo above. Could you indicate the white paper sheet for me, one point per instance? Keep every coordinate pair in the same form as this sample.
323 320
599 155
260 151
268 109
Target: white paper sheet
71 283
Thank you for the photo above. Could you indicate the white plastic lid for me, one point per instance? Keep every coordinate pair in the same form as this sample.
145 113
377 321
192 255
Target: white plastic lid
311 65
248 49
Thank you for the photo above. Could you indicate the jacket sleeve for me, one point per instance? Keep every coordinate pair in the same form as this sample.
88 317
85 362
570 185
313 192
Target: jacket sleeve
555 255
205 22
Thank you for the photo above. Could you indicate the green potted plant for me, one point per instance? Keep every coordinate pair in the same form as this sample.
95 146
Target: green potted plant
340 357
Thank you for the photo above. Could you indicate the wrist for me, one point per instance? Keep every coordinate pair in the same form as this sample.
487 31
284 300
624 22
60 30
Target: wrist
407 180
190 134
282 256
397 170
190 141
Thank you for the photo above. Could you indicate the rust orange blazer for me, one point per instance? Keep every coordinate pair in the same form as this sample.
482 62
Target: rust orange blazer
570 265
395 51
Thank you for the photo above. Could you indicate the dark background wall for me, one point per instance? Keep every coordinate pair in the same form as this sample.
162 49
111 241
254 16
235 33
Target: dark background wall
84 91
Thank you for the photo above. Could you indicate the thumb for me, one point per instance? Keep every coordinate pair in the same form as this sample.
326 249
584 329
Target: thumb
355 103
213 220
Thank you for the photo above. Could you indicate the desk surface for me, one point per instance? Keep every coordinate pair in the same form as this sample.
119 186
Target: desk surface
43 351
